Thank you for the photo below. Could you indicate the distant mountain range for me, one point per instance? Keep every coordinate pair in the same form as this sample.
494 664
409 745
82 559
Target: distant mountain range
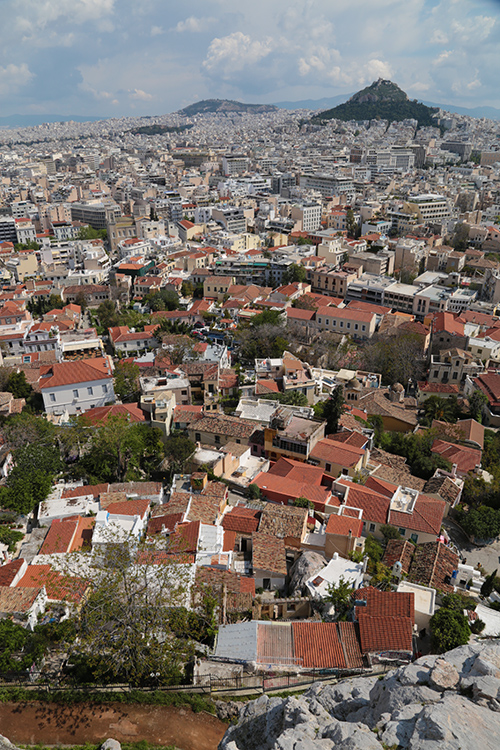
382 100
224 106
26 121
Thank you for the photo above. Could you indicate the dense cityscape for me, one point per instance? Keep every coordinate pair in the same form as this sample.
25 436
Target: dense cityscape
250 400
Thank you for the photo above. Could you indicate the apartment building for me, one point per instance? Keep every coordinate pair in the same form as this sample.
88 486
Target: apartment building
334 283
329 184
355 323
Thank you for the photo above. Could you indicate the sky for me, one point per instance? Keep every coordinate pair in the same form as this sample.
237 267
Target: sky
150 57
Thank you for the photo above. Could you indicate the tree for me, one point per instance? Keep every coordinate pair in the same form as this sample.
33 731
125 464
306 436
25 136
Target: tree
89 233
489 584
442 409
481 523
477 402
340 596
107 314
398 358
458 602
294 273
120 451
162 300
303 502
253 491
353 229
331 410
178 449
18 385
449 629
390 532
124 628
126 380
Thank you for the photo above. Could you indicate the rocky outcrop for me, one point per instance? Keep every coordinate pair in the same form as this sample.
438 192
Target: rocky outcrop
303 568
447 702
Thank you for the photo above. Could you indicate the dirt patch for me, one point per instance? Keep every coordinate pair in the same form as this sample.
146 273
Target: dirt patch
53 724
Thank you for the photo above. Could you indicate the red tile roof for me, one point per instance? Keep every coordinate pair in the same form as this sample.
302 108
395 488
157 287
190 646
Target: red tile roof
332 451
165 523
9 571
59 537
135 507
466 459
58 587
318 645
385 633
241 520
67 373
342 525
101 414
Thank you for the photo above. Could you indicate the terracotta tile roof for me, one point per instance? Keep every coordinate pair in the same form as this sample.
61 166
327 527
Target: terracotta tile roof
101 414
67 373
447 488
88 489
266 386
58 587
224 425
385 633
60 537
135 507
297 471
342 525
9 571
349 437
348 634
437 387
205 508
268 553
283 521
399 550
141 489
472 430
466 459
335 452
84 532
185 538
490 385
240 590
241 520
385 603
15 600
165 523
433 564
374 505
427 516
274 642
445 321
287 489
178 503
318 645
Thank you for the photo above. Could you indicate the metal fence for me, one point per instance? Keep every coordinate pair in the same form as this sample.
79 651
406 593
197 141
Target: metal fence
206 684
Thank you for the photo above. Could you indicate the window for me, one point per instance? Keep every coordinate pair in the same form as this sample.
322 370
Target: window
436 373
90 390
197 437
455 376
75 393
328 467
266 584
355 326
372 527
105 389
363 328
414 538
217 439
52 396
402 531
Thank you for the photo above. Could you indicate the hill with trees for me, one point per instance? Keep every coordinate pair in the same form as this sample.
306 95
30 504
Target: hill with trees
382 100
225 106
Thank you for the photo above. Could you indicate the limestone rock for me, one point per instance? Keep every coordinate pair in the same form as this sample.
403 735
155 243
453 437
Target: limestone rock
444 675
227 710
111 744
454 724
303 568
346 697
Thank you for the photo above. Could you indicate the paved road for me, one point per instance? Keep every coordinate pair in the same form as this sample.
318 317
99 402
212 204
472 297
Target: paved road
488 556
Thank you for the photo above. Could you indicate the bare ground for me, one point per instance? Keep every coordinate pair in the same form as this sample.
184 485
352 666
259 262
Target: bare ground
54 724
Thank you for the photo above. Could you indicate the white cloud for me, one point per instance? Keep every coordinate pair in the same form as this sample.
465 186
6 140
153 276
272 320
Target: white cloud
13 77
140 95
235 52
439 37
156 30
194 25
